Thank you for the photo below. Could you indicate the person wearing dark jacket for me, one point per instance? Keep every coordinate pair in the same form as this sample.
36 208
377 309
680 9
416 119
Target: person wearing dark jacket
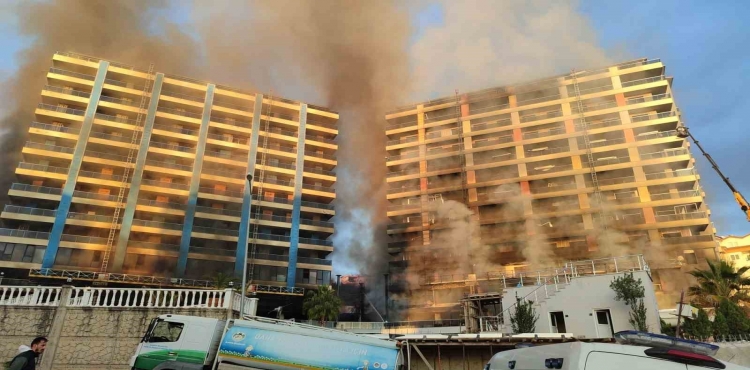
27 360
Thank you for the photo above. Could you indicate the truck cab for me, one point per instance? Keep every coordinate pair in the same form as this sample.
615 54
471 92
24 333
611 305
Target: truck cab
178 342
633 350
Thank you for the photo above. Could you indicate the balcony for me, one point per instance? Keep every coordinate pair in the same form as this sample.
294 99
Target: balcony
328 189
544 133
652 116
670 174
321 139
688 239
219 211
128 85
643 81
320 155
64 72
408 171
656 135
157 224
646 99
289 182
314 261
393 126
576 109
213 251
215 231
173 94
89 217
281 148
552 187
272 257
278 131
398 207
413 154
489 125
179 148
83 239
538 100
119 138
536 152
676 195
489 108
396 188
404 140
638 63
61 109
597 124
67 90
319 123
36 189
229 139
128 102
403 225
681 216
41 167
605 142
49 148
56 128
613 181
232 174
478 143
24 234
176 166
327 243
306 221
179 112
96 196
317 205
232 122
227 193
168 185
176 129
154 203
272 237
606 161
99 175
307 169
665 153
441 133
541 116
29 211
117 119
226 155
154 246
550 168
591 90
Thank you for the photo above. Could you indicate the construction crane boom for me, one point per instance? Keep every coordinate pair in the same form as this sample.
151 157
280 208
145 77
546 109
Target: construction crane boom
683 132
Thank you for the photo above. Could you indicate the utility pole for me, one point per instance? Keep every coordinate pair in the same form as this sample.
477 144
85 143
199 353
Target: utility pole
338 286
679 314
386 297
361 300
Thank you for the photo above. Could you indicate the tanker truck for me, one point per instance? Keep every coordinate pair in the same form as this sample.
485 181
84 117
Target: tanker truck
176 342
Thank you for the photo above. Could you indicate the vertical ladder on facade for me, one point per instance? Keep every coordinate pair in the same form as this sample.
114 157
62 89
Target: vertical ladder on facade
462 155
261 179
587 143
134 142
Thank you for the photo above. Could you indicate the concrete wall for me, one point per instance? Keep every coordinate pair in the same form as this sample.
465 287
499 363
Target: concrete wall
84 338
578 301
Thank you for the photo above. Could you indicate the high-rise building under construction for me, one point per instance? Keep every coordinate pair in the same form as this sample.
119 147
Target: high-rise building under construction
132 175
491 183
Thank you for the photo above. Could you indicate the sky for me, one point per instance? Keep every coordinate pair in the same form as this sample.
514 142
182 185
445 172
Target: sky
704 45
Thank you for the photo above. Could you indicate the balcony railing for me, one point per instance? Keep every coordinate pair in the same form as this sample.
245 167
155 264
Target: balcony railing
441 133
279 131
605 142
591 90
606 161
488 108
676 195
645 99
489 125
42 167
99 175
396 188
226 155
168 185
50 148
174 94
29 211
408 155
36 189
540 99
643 81
681 216
155 246
321 139
277 164
311 170
184 149
321 124
540 116
279 182
179 112
229 139
403 140
316 205
176 166
175 129
593 107
478 143
328 189
273 218
552 187
273 237
60 109
88 217
397 207
669 174
24 234
319 154
549 168
83 239
82 76
219 211
227 193
597 124
638 63
155 203
613 181
157 224
306 221
103 135
215 231
283 148
56 128
430 117
232 122
97 196
217 171
68 90
129 102
656 135
539 151
665 153
108 117
128 85
650 116
316 241
688 239
544 133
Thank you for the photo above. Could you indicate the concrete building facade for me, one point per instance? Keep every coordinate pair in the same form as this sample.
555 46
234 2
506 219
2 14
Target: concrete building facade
582 165
136 172
736 250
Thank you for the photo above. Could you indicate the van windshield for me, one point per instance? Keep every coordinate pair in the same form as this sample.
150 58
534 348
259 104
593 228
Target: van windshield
164 331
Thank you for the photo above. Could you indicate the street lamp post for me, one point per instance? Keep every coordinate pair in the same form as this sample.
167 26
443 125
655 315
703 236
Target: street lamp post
244 265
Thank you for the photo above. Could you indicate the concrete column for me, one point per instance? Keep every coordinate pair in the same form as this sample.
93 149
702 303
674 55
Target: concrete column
247 196
187 226
616 83
135 181
53 243
423 198
297 204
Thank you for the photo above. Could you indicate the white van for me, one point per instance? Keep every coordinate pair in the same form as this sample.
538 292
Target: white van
634 351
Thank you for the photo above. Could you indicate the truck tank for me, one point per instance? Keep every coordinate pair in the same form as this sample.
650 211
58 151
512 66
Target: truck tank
280 345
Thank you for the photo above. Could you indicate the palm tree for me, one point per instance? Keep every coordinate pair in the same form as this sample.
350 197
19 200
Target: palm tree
322 304
222 280
720 280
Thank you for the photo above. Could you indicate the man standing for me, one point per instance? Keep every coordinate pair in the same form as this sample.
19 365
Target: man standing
27 360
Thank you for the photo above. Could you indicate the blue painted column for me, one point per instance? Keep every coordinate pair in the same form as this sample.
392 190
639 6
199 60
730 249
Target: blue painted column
135 181
291 276
53 244
247 195
195 180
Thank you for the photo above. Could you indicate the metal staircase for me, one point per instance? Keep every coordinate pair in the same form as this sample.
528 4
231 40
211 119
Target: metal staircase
134 142
261 178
